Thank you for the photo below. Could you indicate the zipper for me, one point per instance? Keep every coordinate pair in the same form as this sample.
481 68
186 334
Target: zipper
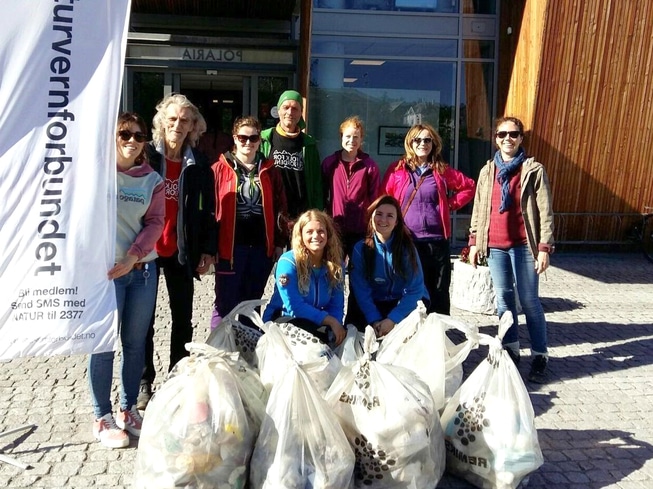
233 229
388 270
265 213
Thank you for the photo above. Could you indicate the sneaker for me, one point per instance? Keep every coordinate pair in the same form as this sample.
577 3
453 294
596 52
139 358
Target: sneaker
107 432
130 420
144 395
538 373
514 356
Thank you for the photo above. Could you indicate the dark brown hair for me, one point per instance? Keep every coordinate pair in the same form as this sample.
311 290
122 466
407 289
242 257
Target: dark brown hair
124 121
402 243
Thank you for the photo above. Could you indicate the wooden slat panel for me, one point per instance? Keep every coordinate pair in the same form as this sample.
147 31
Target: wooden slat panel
590 109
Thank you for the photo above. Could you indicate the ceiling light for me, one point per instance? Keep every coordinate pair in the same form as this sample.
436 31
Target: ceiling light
367 62
349 80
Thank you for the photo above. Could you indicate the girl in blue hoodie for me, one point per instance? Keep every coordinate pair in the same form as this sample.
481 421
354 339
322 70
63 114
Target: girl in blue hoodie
309 279
385 272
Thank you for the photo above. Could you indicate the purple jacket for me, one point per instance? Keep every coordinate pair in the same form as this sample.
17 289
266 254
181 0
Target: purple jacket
396 183
349 195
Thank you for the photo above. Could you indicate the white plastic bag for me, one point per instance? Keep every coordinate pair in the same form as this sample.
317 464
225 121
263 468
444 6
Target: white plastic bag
233 336
390 420
351 348
456 353
489 428
301 444
314 356
472 288
418 344
201 425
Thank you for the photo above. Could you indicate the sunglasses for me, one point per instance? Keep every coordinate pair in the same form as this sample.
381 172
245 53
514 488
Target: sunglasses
139 137
419 141
512 134
254 138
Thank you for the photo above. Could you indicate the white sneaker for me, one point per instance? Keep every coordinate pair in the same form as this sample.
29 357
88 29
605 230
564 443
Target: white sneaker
107 432
130 420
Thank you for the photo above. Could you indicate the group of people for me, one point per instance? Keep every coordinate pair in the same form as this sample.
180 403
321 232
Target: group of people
335 218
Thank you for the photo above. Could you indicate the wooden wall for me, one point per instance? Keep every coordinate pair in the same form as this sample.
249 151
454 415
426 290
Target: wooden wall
582 80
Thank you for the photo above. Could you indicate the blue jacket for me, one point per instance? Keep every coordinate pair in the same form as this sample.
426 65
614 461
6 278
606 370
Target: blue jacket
320 302
386 284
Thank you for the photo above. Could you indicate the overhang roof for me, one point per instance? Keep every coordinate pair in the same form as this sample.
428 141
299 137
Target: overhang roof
243 9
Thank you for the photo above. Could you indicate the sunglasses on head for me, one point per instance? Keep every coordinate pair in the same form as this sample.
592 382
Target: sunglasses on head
139 137
512 134
419 141
243 139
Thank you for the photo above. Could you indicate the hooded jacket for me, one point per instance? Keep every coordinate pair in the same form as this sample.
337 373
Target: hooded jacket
386 284
397 178
196 226
536 205
347 197
274 204
320 301
312 168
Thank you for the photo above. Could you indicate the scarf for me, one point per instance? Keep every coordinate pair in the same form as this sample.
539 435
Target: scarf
506 170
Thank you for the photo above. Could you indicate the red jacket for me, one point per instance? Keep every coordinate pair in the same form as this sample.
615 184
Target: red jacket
274 204
396 179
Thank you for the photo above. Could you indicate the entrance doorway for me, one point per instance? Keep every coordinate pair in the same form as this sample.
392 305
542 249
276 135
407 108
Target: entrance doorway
221 97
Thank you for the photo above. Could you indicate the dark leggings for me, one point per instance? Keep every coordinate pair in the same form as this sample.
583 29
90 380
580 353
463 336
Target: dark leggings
306 325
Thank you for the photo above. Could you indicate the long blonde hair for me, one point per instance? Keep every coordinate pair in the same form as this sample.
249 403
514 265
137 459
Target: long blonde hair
333 254
435 156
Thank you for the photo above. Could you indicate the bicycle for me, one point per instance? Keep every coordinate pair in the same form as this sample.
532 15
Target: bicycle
644 233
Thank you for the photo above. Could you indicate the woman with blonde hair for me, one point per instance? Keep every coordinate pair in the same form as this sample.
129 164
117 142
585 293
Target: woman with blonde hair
427 189
309 279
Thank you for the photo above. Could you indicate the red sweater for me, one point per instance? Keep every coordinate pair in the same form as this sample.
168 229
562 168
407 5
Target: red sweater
507 230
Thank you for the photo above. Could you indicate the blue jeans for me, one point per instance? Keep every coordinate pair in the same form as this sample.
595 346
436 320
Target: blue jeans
135 296
516 266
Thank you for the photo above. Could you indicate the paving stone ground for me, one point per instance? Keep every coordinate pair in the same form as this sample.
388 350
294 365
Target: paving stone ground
594 418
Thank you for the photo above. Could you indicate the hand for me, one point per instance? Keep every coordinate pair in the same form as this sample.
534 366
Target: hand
473 256
384 326
123 267
337 328
205 262
542 262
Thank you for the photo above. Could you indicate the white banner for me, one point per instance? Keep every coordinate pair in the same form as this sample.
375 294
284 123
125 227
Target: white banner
61 66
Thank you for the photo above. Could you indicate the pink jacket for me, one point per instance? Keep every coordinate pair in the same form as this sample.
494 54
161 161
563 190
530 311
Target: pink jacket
348 196
462 188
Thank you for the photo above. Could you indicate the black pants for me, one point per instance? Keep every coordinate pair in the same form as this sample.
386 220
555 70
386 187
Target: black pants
436 264
317 330
356 317
180 294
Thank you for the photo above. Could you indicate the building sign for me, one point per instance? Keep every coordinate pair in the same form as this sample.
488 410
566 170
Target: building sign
208 54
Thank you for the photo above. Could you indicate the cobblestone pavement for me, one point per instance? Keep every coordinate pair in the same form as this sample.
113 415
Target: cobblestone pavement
593 418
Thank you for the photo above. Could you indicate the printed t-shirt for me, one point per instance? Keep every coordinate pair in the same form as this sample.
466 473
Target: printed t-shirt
167 244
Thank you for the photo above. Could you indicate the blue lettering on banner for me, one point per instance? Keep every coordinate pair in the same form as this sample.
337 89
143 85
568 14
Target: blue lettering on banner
56 159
